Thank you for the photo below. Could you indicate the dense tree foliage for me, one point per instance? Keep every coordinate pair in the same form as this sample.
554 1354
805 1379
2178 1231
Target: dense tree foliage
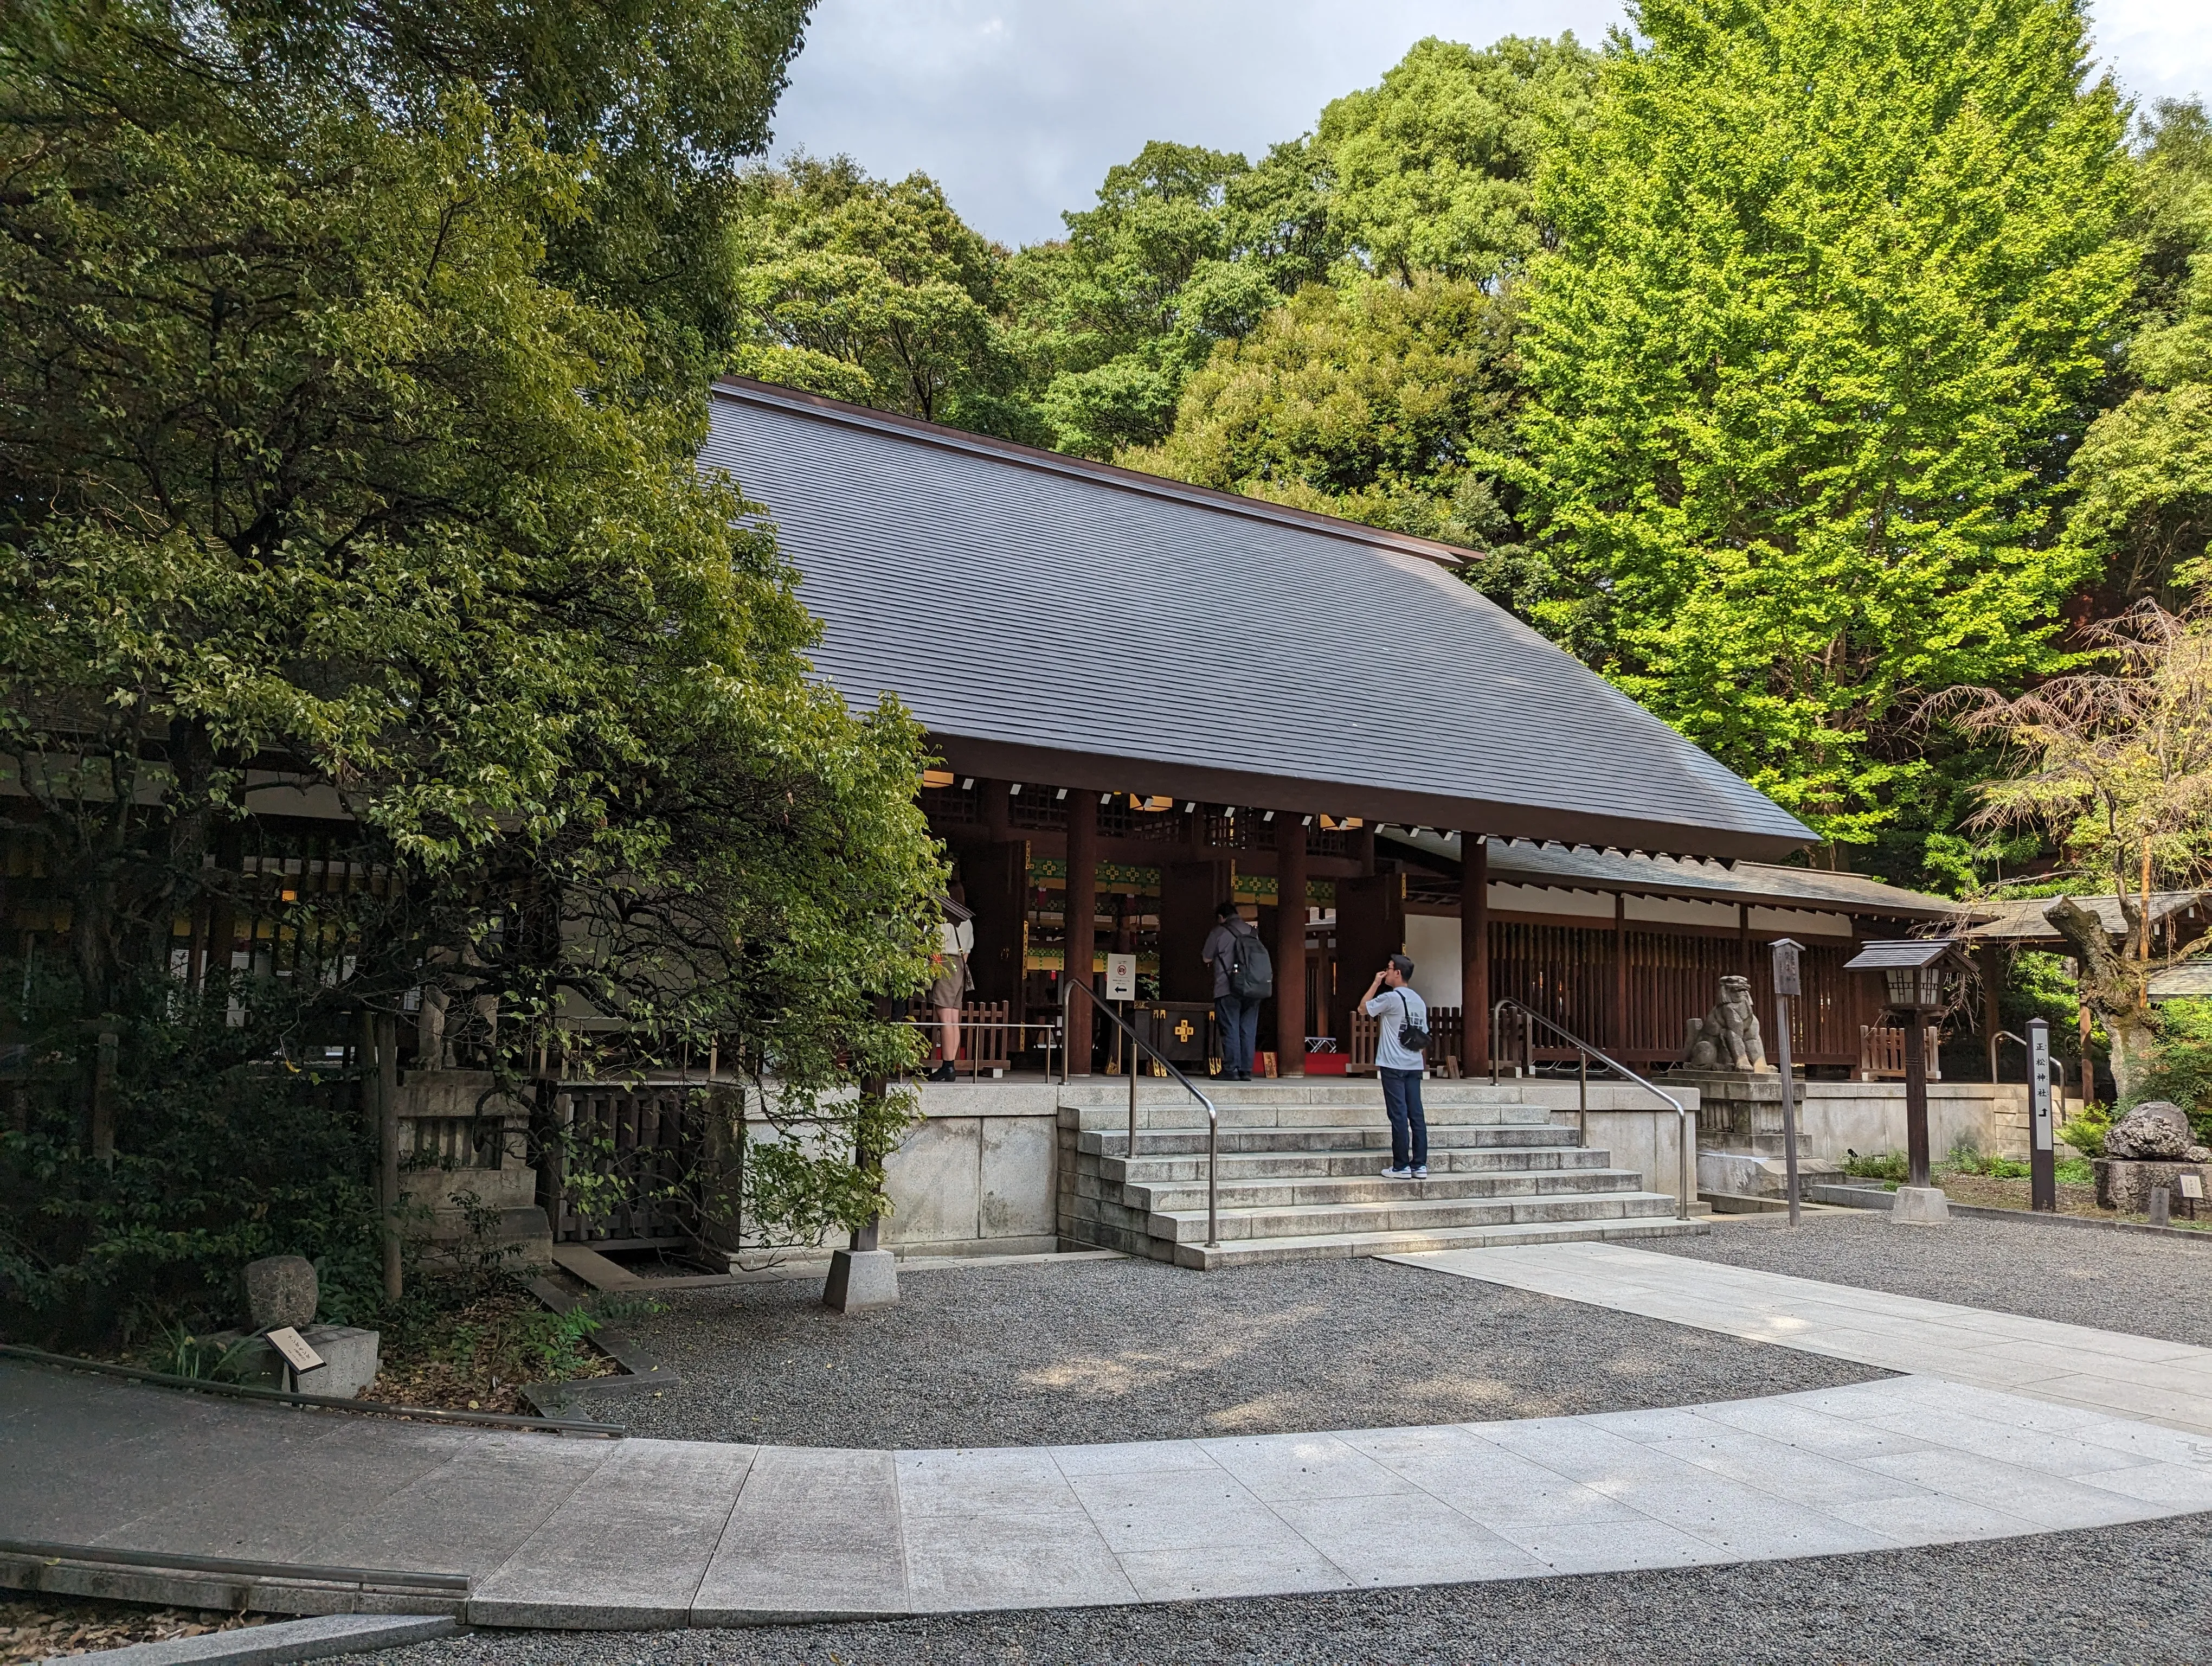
2144 469
1836 283
323 483
873 292
1369 400
1435 170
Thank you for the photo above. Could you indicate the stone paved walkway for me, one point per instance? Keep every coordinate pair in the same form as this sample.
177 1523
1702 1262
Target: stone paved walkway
2107 1371
641 1533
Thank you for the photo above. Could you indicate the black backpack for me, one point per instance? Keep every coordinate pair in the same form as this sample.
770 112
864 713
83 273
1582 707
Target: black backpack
1251 969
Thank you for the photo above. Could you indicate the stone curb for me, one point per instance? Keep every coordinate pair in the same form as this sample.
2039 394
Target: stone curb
1870 1197
272 1645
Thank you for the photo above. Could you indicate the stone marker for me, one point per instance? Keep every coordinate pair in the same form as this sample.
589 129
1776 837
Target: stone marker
1921 1205
861 1278
280 1290
2161 1207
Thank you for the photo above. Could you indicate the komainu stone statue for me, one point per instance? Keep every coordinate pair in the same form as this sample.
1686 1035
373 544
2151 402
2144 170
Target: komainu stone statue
1727 1038
2155 1131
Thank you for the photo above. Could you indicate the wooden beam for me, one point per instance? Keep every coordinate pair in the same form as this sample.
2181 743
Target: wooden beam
1104 772
1290 943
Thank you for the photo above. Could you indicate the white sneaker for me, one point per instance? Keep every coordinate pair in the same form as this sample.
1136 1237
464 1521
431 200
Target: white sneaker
1420 1171
1397 1174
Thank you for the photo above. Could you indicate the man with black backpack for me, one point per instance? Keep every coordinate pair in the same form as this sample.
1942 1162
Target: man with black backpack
1401 1039
1243 976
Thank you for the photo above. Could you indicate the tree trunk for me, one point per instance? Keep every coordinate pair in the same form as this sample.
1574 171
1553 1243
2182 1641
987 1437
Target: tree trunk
2113 987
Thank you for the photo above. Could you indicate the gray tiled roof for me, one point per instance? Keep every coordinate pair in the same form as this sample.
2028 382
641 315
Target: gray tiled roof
2189 982
1139 634
2019 919
1759 885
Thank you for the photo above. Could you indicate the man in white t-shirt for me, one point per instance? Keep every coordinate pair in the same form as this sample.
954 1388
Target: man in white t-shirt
1391 998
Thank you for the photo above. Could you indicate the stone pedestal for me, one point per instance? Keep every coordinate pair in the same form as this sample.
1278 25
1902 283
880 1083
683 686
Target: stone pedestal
861 1278
1921 1205
1740 1150
2125 1185
350 1361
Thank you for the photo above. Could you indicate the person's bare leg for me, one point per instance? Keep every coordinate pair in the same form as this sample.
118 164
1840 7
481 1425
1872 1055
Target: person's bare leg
948 1027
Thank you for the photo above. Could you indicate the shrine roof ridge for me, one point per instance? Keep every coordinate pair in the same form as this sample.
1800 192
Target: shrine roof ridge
1109 474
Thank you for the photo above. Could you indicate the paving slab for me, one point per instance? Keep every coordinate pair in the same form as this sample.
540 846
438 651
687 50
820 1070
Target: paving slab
279 1645
2139 1377
628 1548
815 1536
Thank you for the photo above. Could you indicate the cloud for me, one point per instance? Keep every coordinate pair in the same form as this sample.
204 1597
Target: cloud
1019 107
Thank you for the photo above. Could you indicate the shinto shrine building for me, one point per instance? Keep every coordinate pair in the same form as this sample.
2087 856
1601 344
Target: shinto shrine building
1148 698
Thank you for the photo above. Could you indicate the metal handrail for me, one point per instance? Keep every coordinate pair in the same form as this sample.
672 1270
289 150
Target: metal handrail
1687 1136
1067 987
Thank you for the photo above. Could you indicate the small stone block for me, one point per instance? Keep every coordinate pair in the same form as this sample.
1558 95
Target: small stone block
2161 1207
280 1290
861 1278
1921 1205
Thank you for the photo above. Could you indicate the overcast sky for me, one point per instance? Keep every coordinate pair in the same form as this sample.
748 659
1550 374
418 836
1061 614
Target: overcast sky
1019 106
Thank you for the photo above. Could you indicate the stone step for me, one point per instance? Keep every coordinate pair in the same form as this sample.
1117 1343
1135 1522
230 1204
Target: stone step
1314 1091
1181 1226
1188 1113
1152 1170
1249 1252
1245 1194
1165 1142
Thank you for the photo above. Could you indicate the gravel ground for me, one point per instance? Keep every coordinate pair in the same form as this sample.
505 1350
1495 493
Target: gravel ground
2135 1596
1044 1354
2131 1281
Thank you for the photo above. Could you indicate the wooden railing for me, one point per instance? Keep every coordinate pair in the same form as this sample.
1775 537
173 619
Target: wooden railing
1882 1052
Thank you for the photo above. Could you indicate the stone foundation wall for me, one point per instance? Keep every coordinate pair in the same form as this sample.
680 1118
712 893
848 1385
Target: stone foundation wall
1869 1116
977 1176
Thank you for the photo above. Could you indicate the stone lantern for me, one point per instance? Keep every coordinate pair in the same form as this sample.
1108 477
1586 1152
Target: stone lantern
1919 975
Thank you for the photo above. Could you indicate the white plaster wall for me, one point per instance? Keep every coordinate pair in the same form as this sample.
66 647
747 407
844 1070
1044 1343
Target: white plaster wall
1432 939
1800 922
1540 899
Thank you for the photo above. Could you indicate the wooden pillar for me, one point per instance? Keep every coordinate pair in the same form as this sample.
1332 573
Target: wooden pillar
1619 1034
1289 944
1743 940
1363 849
2088 1063
1993 971
998 809
1474 951
1081 912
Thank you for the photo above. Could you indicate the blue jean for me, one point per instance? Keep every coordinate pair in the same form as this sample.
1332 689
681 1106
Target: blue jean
1240 1030
1409 1128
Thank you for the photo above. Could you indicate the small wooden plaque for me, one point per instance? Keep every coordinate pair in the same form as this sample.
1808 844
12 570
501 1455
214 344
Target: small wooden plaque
2192 1186
293 1346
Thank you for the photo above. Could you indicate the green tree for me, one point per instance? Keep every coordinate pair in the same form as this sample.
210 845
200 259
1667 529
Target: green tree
311 483
2144 469
1835 282
874 292
1113 320
1435 169
1370 400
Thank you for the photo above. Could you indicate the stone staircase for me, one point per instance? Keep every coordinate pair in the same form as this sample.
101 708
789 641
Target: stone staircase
1301 1175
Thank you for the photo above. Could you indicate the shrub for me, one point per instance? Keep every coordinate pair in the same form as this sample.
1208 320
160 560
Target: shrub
1882 1165
2086 1133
